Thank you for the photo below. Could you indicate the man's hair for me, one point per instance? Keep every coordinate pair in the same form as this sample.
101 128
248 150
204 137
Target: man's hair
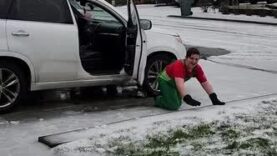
192 51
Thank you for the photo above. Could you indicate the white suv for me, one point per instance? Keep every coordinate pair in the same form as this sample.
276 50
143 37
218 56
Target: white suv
49 44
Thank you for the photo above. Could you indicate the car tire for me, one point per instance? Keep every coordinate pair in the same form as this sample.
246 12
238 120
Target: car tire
13 86
154 67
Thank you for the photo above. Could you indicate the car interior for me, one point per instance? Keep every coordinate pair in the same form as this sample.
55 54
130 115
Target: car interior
101 37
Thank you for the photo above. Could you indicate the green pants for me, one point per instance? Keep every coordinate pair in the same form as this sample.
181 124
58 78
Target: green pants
169 97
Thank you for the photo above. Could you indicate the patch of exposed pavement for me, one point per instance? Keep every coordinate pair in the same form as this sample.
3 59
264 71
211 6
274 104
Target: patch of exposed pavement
208 51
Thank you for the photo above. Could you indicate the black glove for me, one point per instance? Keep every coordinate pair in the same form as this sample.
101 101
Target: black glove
190 101
215 100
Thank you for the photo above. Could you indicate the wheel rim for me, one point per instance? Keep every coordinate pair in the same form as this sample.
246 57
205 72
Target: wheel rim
154 70
9 87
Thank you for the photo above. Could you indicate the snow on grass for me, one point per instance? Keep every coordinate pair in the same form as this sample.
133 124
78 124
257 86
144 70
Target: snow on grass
235 129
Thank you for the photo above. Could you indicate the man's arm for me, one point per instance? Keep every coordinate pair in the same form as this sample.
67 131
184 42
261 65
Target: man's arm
209 90
180 84
207 87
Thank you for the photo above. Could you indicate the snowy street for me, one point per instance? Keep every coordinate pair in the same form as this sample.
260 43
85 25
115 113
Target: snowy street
251 44
244 78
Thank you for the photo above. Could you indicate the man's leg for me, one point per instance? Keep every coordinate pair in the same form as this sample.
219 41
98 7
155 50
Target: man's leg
169 98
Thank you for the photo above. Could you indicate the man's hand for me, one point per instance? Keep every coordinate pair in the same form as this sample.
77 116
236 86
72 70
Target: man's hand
190 101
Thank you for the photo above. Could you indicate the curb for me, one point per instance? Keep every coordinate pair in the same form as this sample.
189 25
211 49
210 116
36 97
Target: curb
220 19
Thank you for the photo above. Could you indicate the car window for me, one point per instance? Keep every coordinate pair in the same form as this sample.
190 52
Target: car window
100 14
56 11
94 12
4 6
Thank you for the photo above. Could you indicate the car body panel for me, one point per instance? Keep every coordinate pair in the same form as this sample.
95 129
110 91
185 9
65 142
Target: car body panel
168 43
10 54
54 55
3 39
95 81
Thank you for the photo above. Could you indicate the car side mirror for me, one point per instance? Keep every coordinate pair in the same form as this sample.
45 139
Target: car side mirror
145 24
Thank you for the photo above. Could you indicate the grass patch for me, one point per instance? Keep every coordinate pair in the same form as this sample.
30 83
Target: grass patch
163 144
179 136
232 145
201 131
196 138
167 141
260 146
229 135
197 146
241 135
259 143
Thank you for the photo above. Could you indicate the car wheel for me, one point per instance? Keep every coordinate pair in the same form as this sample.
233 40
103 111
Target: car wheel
155 65
12 86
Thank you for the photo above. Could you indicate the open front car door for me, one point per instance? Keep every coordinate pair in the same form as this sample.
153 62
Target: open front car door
135 58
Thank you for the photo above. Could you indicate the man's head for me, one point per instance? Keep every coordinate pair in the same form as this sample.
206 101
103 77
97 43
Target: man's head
192 51
192 57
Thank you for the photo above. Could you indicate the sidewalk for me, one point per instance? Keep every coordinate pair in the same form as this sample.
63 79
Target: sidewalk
218 16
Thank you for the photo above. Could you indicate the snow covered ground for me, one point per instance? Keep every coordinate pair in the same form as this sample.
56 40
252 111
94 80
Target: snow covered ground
251 45
244 127
241 127
229 129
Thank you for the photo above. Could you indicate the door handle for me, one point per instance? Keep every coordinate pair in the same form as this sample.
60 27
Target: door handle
20 33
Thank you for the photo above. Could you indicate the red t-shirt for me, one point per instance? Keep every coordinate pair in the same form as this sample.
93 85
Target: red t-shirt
178 69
